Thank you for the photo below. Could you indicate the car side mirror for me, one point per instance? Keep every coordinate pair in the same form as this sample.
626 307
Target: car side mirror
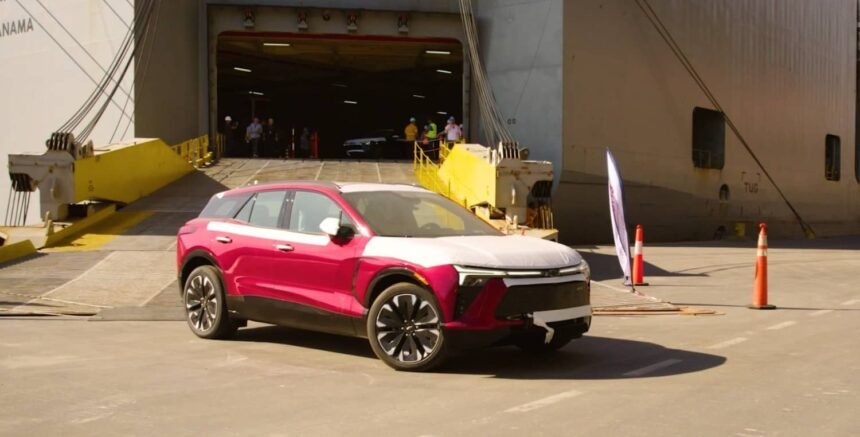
332 227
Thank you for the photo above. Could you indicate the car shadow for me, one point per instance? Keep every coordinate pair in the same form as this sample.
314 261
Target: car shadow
588 358
604 267
306 339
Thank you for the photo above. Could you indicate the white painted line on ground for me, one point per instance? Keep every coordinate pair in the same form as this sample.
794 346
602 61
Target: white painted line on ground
255 173
850 302
150 298
378 173
540 403
319 171
657 366
44 296
727 343
626 290
819 313
51 299
782 325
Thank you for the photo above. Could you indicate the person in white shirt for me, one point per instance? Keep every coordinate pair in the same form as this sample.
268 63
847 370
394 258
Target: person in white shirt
453 132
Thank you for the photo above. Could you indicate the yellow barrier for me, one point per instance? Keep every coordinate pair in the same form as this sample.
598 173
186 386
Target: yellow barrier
195 151
78 227
131 172
17 250
460 175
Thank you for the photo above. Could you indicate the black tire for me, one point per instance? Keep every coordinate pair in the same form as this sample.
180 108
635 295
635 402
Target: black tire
205 304
535 341
404 327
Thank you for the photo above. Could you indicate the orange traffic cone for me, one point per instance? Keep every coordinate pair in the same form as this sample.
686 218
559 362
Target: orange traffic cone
638 264
760 284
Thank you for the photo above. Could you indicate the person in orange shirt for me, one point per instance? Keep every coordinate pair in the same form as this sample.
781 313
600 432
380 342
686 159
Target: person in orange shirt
411 130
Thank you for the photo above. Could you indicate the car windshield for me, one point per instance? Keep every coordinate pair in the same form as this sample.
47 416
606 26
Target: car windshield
416 214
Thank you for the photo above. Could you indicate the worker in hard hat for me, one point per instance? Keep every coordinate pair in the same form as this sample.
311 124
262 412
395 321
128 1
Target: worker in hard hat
453 131
228 136
432 130
410 132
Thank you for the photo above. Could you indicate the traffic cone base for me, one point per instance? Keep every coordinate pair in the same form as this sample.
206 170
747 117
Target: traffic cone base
760 283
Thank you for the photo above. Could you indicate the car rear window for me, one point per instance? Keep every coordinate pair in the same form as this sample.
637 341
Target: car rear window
224 206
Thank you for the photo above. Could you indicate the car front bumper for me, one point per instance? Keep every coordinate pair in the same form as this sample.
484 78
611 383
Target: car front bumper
502 309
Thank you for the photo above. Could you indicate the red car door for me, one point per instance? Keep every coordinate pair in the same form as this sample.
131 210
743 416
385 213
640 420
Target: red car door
320 269
255 241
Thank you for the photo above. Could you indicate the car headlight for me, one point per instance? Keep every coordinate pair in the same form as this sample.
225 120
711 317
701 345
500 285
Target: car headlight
475 277
582 268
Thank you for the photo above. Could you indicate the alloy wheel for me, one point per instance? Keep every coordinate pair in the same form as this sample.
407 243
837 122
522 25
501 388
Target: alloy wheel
201 303
408 328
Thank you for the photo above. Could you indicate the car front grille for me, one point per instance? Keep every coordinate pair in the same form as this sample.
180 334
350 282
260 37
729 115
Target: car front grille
523 299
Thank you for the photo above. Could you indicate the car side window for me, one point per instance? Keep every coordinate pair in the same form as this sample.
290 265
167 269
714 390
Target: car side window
263 209
244 214
267 208
310 209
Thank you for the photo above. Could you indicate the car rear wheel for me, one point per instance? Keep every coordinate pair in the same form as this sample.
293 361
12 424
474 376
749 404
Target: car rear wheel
404 328
205 306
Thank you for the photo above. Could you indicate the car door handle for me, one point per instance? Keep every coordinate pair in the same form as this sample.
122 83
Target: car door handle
284 247
222 239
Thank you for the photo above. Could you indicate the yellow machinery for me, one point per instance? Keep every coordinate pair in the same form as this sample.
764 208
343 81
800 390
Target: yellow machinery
80 185
69 174
511 193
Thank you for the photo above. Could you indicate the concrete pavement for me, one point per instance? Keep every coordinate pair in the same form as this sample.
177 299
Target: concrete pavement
793 371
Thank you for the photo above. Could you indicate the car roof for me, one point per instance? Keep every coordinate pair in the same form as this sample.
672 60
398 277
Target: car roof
339 187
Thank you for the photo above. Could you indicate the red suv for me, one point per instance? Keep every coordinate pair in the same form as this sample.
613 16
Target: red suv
416 274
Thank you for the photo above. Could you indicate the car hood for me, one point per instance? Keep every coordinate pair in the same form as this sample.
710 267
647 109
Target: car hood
359 141
507 252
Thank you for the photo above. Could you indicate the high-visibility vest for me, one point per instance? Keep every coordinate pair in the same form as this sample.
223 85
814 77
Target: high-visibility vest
432 133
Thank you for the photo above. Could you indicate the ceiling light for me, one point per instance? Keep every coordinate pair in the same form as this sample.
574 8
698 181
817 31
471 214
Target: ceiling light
255 93
444 71
242 69
339 85
350 102
418 96
441 112
437 52
276 44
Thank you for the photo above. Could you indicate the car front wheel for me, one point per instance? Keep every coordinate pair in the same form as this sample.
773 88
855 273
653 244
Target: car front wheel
404 327
205 306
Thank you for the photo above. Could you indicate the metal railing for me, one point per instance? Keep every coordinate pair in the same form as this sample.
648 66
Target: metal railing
427 171
196 151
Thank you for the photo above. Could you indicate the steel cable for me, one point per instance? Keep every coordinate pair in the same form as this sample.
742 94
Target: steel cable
142 66
147 10
91 102
661 29
495 129
81 46
63 49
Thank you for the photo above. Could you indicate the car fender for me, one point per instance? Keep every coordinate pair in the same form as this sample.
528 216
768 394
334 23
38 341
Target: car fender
192 255
440 280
